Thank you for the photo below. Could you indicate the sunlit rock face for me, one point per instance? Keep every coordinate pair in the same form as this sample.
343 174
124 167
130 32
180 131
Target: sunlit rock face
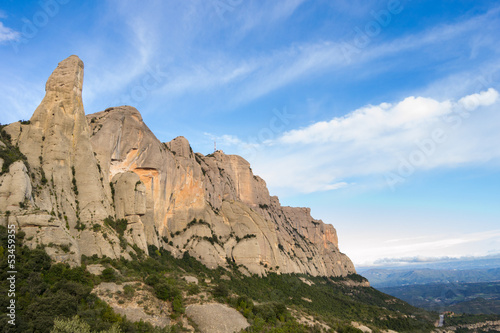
82 169
213 206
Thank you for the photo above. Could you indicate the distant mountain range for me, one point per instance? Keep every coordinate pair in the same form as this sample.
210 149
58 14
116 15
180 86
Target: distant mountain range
467 285
467 270
471 298
380 278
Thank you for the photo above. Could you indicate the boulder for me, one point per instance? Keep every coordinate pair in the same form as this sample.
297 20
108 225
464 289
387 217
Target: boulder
216 318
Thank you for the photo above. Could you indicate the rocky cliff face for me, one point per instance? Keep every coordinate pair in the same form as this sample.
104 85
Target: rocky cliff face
83 169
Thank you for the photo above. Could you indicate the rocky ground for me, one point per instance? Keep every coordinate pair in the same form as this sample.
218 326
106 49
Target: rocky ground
138 305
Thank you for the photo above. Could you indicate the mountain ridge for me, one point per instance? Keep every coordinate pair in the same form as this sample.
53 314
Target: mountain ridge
86 172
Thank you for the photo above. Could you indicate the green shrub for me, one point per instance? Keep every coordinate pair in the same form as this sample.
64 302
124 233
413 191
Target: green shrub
119 225
123 242
166 291
9 153
65 247
108 275
193 289
80 226
177 304
221 290
129 291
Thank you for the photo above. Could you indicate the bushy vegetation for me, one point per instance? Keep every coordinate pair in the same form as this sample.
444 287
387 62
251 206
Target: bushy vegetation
55 291
465 319
332 301
166 289
73 181
46 291
196 222
9 153
119 225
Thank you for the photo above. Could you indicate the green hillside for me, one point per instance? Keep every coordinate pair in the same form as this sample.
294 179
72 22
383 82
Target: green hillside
46 291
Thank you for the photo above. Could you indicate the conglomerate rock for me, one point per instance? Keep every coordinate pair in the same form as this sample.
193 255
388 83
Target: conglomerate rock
83 169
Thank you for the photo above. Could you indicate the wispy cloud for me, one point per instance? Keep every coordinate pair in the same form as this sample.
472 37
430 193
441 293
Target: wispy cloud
257 76
263 14
22 97
298 62
7 34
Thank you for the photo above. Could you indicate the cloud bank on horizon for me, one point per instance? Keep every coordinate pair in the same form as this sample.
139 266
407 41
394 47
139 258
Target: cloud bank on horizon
365 111
449 248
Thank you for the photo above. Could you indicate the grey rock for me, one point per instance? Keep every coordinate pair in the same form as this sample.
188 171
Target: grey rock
216 318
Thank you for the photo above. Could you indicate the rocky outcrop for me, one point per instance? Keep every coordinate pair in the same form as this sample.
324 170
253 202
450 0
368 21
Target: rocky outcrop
486 326
130 204
84 173
15 188
57 145
212 206
142 305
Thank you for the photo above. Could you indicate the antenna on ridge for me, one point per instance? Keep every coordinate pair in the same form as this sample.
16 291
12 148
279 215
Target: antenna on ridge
215 146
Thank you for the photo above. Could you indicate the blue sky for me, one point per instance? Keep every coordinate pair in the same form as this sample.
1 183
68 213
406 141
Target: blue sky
382 116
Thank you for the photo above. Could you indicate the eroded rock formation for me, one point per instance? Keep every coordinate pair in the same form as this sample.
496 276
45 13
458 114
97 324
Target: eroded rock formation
83 169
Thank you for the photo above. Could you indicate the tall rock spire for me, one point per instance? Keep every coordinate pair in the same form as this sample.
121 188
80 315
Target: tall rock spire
57 145
67 78
63 92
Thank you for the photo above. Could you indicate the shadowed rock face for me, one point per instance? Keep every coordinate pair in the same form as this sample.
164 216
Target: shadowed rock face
110 164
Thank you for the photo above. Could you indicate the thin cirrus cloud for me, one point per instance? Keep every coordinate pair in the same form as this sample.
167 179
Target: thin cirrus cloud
7 34
258 76
373 140
243 78
263 13
297 62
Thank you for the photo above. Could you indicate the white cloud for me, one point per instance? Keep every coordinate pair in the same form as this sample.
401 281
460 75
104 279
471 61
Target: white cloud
484 98
7 34
371 122
374 141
